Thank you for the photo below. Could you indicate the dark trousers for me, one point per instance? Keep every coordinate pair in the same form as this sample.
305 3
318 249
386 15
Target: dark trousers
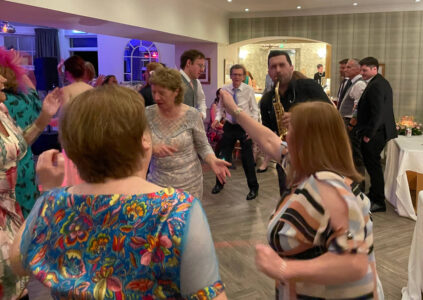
232 133
355 142
371 156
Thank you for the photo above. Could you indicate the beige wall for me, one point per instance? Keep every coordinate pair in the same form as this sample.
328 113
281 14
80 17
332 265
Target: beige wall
395 38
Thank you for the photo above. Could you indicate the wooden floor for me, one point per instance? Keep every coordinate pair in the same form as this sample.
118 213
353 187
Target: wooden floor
238 225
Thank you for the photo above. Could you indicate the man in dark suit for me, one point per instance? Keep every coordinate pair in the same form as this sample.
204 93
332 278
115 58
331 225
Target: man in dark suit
375 126
291 91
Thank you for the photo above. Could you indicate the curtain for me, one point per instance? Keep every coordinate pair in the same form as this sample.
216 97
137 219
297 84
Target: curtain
47 43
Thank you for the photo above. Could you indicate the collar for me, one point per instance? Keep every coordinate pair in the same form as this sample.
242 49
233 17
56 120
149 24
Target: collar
185 75
370 79
240 88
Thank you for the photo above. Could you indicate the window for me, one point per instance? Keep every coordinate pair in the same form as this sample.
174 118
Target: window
83 42
136 57
25 44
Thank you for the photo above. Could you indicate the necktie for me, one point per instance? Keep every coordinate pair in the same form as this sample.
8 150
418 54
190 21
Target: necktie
236 101
345 88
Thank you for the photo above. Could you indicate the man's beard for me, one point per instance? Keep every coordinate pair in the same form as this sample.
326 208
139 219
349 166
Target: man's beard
283 80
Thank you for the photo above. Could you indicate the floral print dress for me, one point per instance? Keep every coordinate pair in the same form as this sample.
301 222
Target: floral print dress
24 109
121 246
12 149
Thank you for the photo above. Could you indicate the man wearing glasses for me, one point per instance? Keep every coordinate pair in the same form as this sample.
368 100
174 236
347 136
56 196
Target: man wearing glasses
192 65
243 95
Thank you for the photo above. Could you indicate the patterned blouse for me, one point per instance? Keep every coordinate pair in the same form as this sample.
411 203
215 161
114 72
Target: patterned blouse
24 109
147 246
300 228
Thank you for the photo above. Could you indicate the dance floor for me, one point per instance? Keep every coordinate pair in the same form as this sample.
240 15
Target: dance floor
238 225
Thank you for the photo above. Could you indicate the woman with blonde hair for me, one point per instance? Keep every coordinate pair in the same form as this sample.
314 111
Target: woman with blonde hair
320 234
178 137
115 236
14 142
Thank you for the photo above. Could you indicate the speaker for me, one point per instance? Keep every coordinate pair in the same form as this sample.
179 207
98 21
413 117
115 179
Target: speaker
46 73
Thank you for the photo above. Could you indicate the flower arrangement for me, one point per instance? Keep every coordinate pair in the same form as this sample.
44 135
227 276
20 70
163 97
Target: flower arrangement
408 122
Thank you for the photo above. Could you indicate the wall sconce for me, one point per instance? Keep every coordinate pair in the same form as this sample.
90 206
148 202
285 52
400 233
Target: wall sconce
7 28
321 52
243 54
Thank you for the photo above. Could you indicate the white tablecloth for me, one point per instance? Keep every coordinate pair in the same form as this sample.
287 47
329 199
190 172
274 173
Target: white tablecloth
415 261
403 154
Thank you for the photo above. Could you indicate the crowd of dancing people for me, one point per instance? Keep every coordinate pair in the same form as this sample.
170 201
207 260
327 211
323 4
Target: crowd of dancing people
119 214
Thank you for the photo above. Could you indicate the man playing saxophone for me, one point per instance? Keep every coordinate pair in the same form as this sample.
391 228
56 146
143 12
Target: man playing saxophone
291 91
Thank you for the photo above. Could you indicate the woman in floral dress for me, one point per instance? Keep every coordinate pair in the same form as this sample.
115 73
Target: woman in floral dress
24 106
115 236
13 145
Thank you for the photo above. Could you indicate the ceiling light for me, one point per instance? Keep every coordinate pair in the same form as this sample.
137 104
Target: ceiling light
355 3
418 0
247 9
7 28
229 0
298 7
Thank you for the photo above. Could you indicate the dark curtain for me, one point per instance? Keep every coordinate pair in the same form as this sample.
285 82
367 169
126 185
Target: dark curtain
47 43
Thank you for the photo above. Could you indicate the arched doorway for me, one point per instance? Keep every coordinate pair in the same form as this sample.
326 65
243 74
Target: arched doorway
305 54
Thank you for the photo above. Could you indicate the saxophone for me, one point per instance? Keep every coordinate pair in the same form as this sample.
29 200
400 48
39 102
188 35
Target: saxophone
279 111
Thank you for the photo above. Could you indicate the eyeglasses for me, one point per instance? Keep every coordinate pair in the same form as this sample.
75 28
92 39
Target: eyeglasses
201 66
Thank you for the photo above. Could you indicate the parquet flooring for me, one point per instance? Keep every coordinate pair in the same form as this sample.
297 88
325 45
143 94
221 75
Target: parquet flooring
238 225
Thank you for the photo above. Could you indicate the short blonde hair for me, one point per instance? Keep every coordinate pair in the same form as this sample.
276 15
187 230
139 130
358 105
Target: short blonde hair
320 142
169 79
153 66
101 131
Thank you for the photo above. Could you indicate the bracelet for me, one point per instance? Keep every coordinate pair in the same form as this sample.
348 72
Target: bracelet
237 111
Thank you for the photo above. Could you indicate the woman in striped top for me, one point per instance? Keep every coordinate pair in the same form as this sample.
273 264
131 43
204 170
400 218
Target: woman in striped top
320 234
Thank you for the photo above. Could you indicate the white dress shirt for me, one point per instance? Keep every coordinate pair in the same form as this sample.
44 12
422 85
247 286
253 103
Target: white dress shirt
245 100
201 98
355 92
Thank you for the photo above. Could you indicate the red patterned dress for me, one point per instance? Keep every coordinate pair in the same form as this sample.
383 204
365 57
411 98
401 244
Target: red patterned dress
12 149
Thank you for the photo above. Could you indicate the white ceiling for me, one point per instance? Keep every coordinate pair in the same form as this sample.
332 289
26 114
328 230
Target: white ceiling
309 7
212 9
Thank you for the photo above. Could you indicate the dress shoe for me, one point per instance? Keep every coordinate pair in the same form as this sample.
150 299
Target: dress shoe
261 170
252 195
217 188
375 207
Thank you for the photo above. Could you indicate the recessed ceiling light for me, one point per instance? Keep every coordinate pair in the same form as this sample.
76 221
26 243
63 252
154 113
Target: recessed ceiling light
418 0
355 3
229 0
247 9
298 7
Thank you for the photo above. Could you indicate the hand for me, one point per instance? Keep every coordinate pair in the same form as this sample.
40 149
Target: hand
50 169
269 262
215 124
220 168
52 102
162 150
286 119
366 139
227 101
99 81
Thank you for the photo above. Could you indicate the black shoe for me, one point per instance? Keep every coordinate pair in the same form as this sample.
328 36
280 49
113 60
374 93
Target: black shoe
261 170
217 188
252 195
375 207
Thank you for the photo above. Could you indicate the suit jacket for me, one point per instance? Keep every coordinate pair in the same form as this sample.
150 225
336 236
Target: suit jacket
375 109
300 90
